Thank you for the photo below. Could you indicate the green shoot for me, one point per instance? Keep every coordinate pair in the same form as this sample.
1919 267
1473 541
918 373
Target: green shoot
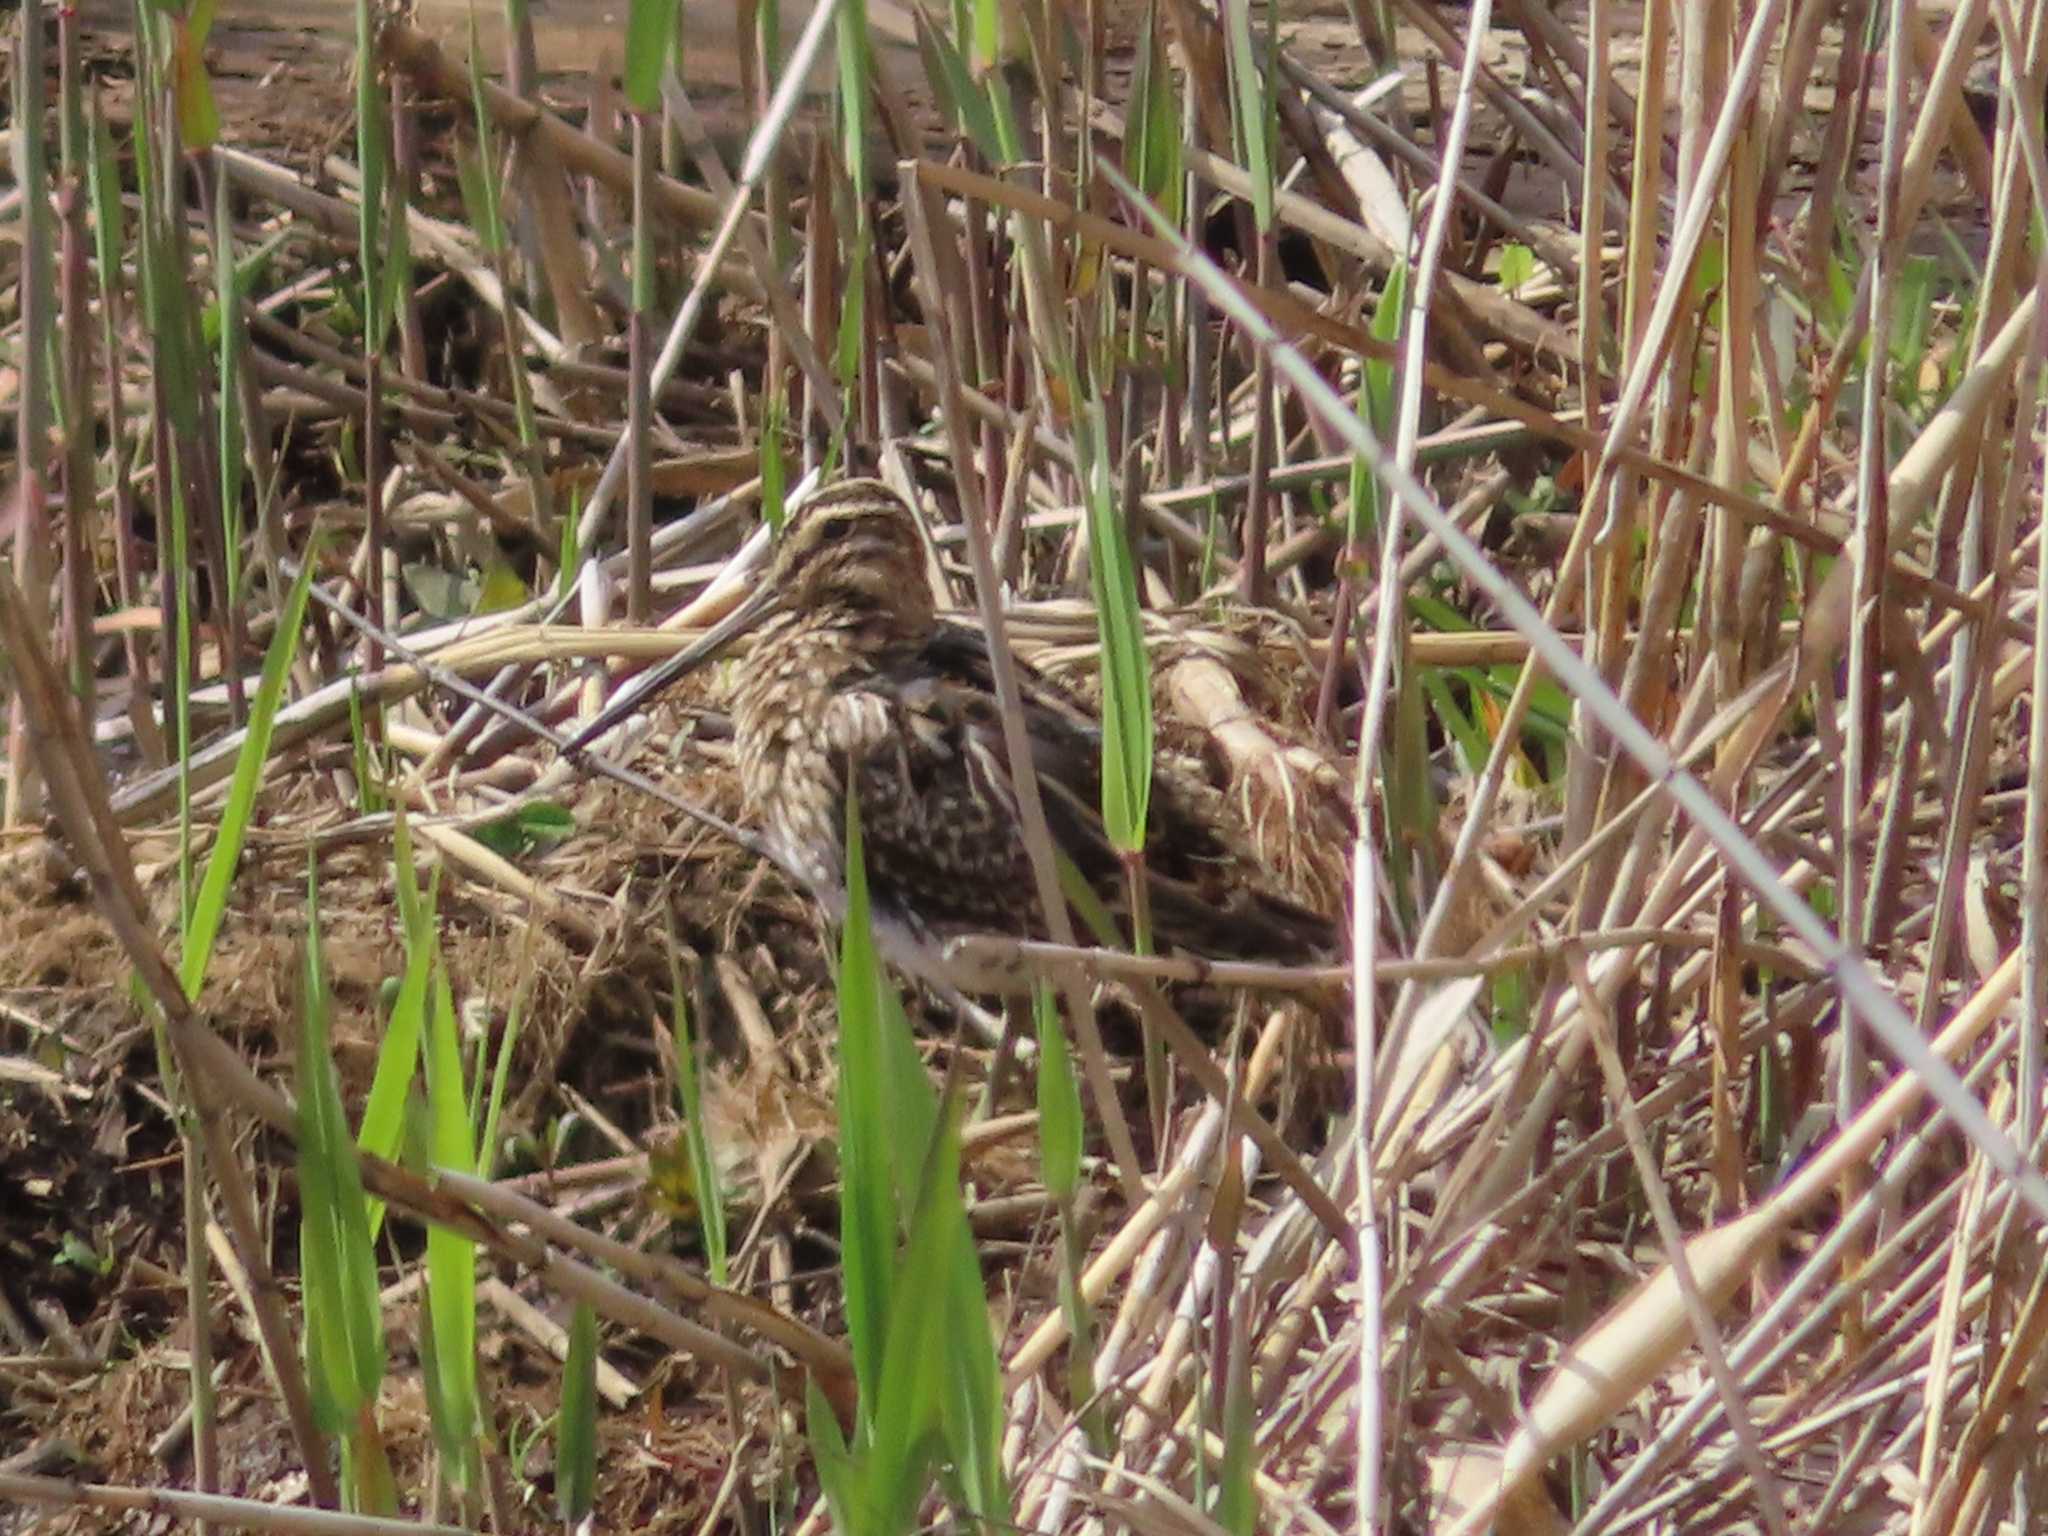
344 1316
576 1428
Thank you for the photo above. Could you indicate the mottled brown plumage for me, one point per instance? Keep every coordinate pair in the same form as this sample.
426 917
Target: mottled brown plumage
855 681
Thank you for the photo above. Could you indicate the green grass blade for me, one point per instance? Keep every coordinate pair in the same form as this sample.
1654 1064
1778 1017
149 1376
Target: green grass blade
478 182
905 1421
963 100
1471 741
852 318
703 1171
451 1257
109 222
211 905
232 464
397 263
774 471
855 64
650 41
837 1474
198 113
987 35
344 1320
1237 1504
501 1073
867 1226
576 1427
909 1104
1127 728
1152 146
1376 403
919 1328
1251 108
1060 1126
971 1425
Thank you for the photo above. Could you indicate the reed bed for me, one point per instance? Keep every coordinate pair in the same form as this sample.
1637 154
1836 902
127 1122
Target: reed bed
1565 477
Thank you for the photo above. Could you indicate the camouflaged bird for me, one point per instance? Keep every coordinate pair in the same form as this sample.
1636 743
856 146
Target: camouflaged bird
856 682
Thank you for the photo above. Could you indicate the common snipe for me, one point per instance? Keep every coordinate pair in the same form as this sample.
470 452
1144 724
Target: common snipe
855 679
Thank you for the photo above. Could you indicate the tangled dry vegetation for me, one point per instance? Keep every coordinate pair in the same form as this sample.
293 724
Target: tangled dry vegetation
1691 1035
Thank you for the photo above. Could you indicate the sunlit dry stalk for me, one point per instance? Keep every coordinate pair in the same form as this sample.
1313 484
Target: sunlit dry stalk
1971 724
2033 1053
1775 1335
405 166
1735 362
1935 1395
1630 503
1699 1311
1924 1070
1506 733
1386 673
1989 532
170 1504
80 486
1164 1261
820 270
1606 613
1630 1343
1273 1252
1869 554
1645 358
1252 583
1944 121
639 367
128 573
1729 550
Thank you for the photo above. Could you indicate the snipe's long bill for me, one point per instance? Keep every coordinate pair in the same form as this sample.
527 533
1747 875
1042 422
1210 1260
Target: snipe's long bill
856 684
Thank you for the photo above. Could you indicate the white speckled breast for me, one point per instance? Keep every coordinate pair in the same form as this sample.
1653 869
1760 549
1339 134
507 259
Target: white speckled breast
789 771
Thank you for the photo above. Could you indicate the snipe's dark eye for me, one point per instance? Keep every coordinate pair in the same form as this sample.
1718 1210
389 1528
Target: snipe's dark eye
836 530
